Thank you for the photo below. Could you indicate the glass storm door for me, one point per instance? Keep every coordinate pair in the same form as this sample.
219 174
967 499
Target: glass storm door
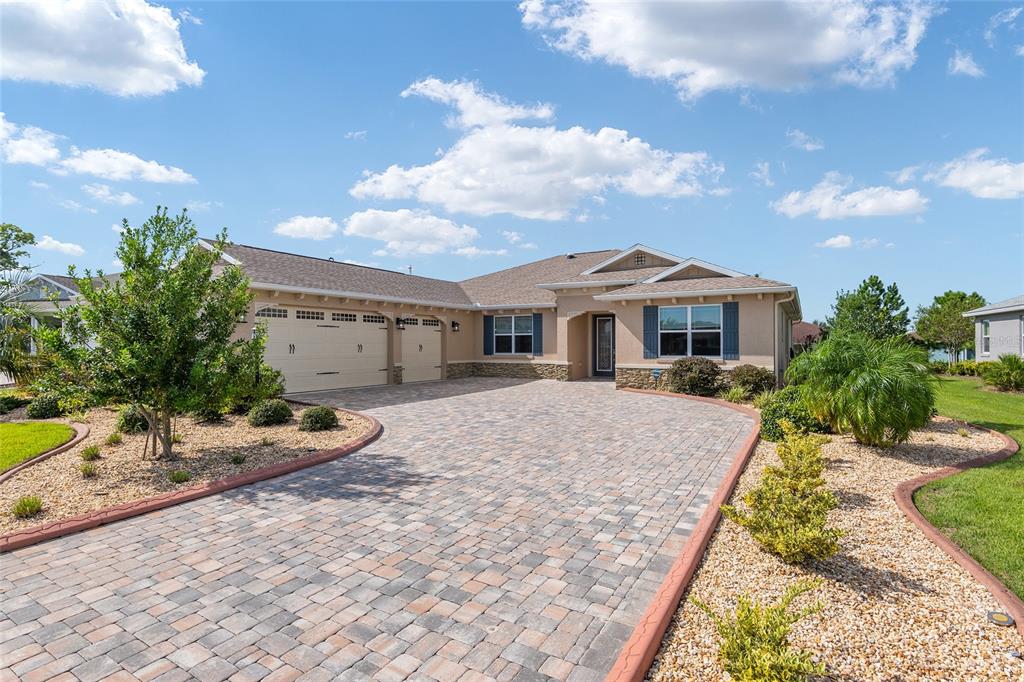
604 345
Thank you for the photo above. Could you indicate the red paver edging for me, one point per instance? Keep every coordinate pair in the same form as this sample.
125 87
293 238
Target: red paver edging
639 652
74 524
904 495
80 432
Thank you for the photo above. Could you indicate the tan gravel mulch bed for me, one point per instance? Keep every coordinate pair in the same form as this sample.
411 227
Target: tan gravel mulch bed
124 476
894 605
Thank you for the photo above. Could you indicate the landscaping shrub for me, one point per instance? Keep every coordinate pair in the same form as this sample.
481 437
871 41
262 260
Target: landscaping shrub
178 476
177 438
88 469
27 506
131 420
763 398
11 401
733 394
1006 374
90 453
270 412
786 405
755 639
695 376
318 419
752 379
237 459
964 368
938 367
879 390
788 510
208 414
253 381
114 439
43 407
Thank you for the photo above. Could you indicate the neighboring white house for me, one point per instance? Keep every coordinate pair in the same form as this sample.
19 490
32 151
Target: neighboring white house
999 329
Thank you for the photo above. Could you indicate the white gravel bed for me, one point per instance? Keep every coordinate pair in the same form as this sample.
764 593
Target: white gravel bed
123 475
895 606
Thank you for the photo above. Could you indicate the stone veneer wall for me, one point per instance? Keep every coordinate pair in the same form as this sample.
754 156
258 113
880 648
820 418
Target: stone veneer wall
396 374
635 377
514 370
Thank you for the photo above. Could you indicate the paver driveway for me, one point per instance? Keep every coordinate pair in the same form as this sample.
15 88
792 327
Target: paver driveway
499 529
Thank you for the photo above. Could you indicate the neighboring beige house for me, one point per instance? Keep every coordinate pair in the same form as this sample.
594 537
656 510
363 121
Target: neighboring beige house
624 314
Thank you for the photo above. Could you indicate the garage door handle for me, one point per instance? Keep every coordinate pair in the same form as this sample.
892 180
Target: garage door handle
319 373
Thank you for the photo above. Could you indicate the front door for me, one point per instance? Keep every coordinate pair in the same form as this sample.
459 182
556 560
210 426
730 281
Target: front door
604 345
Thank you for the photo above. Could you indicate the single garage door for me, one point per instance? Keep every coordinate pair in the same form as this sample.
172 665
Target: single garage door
323 349
421 349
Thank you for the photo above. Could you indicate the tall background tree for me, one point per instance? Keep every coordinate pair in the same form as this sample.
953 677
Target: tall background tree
872 309
942 324
15 314
160 335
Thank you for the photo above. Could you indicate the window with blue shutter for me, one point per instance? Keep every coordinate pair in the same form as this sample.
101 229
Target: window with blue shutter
488 334
731 330
538 334
650 331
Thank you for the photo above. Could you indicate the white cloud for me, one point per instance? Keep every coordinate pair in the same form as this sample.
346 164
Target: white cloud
409 232
355 135
197 205
72 205
701 47
963 64
516 239
840 241
983 177
27 144
103 193
801 140
905 175
189 18
307 227
475 107
868 243
38 185
762 174
117 227
1019 51
111 164
476 252
540 172
1006 17
48 243
123 47
827 201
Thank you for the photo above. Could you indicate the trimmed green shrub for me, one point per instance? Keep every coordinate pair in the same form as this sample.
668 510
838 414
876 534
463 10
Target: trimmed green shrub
964 368
27 506
114 439
762 399
938 367
270 412
733 394
755 638
131 420
788 510
178 476
90 453
318 419
1006 374
45 406
695 376
787 405
878 390
88 470
752 379
11 401
208 414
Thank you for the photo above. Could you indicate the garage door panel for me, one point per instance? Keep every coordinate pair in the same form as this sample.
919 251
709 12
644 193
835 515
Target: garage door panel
421 351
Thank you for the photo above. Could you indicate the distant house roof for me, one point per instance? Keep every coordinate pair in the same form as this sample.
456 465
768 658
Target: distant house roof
696 285
805 331
68 283
1010 305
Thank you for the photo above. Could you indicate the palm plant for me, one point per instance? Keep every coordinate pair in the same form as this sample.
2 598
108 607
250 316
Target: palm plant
1007 373
15 326
878 390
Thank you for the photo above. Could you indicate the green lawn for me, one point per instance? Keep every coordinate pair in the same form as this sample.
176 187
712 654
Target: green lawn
19 441
982 510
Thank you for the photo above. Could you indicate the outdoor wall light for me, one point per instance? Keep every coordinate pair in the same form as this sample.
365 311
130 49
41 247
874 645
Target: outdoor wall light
399 324
455 326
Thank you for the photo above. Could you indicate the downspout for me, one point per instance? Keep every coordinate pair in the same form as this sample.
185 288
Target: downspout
775 336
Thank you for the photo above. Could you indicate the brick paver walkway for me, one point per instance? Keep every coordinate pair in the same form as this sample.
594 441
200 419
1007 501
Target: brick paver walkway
499 529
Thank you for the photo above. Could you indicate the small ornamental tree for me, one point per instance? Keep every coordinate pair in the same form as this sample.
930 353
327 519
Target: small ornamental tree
872 309
160 334
943 325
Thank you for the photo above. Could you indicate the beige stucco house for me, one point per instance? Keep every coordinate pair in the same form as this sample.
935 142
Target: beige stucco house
623 314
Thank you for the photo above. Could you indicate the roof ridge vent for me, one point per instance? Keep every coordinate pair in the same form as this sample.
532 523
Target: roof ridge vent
570 256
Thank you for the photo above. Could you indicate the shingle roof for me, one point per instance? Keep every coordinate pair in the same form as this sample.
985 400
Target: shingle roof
71 284
635 275
698 284
518 285
1009 305
264 266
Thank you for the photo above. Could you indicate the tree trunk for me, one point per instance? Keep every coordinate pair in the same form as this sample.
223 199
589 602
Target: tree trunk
160 432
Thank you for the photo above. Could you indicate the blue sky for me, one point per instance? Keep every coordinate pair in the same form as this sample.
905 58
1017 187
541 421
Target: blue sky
462 138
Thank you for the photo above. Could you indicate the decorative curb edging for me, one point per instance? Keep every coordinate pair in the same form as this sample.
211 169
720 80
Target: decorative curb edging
643 644
904 495
75 524
81 431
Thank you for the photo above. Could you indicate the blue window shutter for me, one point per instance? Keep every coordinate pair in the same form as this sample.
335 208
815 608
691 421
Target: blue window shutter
538 334
488 334
731 330
650 331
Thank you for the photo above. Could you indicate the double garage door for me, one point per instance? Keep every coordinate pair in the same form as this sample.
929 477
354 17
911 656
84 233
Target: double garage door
320 349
